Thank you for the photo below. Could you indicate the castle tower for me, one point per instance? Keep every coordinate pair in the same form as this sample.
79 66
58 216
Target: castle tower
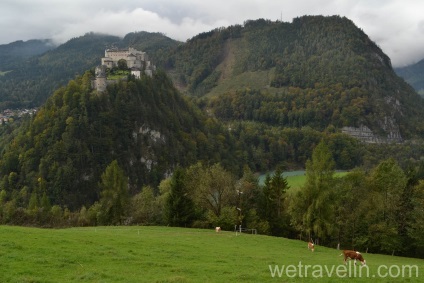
100 82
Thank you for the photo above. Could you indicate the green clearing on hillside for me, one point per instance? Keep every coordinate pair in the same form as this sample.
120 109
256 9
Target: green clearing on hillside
2 73
252 80
163 254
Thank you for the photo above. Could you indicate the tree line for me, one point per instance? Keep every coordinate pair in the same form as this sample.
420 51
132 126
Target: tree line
378 210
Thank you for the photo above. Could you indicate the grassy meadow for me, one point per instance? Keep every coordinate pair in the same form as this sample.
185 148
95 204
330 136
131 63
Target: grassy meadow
164 254
296 179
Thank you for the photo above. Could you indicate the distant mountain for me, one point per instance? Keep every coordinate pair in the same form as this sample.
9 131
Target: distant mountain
14 53
31 82
316 71
414 75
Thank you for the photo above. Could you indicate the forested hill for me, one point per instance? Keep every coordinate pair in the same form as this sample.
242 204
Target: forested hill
316 71
144 124
17 52
30 82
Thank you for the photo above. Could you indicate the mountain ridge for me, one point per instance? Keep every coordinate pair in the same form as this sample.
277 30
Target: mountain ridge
344 78
312 54
414 75
17 52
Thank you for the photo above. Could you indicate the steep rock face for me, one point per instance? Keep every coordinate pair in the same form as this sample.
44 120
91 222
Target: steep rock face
388 126
150 139
363 133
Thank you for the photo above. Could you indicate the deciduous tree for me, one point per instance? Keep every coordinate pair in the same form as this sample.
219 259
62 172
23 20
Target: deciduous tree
114 196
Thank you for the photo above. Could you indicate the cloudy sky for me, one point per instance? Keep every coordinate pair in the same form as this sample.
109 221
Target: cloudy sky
397 26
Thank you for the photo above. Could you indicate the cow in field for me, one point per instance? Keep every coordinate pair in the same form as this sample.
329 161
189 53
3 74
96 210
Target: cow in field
349 254
218 229
311 246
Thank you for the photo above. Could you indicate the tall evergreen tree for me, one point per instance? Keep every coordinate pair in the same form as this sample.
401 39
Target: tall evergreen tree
275 194
179 206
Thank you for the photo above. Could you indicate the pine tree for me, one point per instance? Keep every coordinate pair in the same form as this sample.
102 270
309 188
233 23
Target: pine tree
179 207
275 193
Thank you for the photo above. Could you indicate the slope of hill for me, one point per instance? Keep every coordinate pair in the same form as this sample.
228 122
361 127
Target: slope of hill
414 75
30 84
15 53
165 254
316 71
144 124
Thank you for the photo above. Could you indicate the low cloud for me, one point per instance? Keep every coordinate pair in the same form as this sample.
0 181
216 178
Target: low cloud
397 26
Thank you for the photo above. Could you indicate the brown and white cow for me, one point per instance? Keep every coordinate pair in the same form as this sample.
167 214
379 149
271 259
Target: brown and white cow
311 246
349 254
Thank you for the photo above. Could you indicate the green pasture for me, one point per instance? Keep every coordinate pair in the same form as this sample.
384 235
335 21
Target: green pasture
164 254
296 179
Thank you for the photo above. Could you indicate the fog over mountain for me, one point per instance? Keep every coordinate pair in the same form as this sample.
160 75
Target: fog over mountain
397 26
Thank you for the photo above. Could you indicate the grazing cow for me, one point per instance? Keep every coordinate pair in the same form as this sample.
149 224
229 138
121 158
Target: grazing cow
218 229
349 254
311 246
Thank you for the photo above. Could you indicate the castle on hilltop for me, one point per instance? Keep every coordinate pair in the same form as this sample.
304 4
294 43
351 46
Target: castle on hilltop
136 61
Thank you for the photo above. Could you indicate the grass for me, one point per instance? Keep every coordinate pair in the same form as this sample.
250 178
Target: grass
164 254
119 74
296 179
251 80
2 73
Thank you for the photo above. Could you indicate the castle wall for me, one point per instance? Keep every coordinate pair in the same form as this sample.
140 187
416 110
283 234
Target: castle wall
136 73
136 60
131 55
107 62
100 84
